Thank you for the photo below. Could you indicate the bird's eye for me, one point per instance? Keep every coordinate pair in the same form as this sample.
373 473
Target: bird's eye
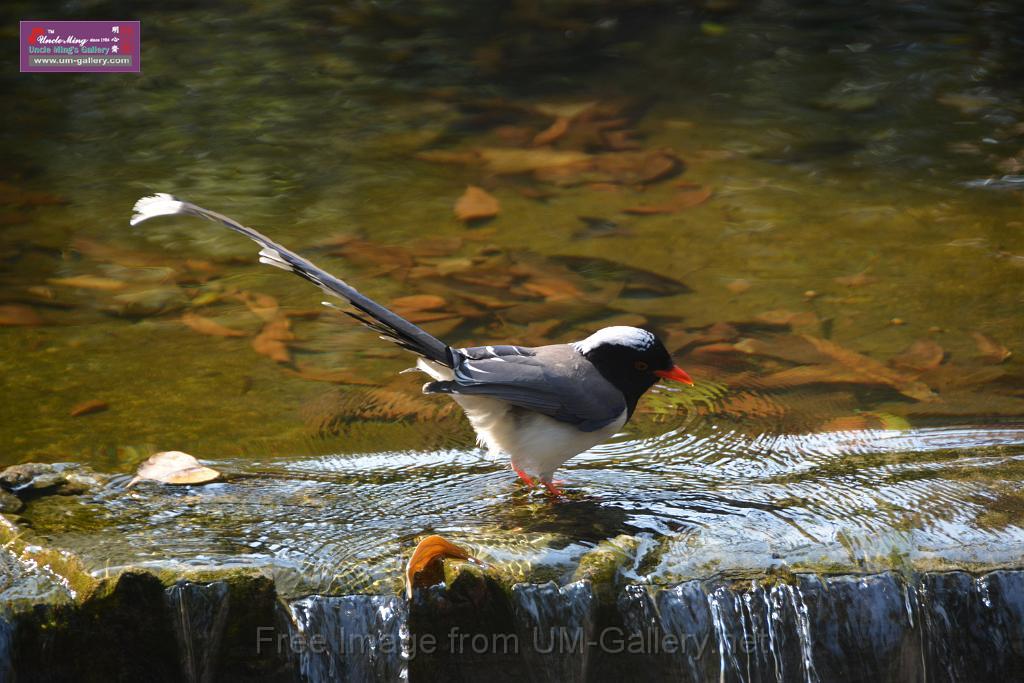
640 365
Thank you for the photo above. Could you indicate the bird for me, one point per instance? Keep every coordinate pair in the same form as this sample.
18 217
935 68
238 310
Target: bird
540 406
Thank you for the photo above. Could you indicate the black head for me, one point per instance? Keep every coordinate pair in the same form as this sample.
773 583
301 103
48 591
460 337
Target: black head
630 358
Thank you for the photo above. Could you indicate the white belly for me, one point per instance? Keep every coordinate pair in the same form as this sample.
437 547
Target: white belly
536 444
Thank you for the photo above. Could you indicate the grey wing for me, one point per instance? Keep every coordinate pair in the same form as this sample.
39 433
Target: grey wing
568 391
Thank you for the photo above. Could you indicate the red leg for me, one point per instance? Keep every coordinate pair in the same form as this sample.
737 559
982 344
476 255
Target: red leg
524 476
553 489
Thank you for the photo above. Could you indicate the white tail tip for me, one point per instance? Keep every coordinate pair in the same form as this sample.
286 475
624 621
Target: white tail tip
160 204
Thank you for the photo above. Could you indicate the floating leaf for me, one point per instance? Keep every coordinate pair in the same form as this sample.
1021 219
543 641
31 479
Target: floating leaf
88 407
476 204
175 467
19 315
991 351
209 327
426 566
921 356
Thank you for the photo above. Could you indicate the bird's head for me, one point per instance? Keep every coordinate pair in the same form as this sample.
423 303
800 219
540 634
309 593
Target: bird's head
630 358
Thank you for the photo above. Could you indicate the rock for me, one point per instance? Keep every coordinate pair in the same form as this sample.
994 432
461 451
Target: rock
10 502
62 479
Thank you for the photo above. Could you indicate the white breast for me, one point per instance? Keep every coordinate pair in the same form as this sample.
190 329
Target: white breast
537 444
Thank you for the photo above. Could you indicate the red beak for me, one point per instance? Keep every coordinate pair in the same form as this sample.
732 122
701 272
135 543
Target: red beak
676 373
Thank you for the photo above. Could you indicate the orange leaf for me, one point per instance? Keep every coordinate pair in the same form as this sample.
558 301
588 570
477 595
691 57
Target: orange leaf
425 567
991 351
89 407
19 315
678 202
475 204
209 327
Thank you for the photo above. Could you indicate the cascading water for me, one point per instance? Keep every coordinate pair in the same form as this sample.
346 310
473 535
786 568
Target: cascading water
199 612
941 626
350 638
555 626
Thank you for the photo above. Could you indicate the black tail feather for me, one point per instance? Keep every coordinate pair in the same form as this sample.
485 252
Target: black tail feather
387 323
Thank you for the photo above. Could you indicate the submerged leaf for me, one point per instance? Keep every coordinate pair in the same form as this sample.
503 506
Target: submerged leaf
103 284
270 341
921 356
19 315
684 199
476 204
175 467
991 351
88 407
209 327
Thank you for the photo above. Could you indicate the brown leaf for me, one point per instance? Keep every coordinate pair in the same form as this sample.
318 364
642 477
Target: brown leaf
175 467
270 341
921 356
103 284
209 327
19 315
426 568
418 302
782 317
88 407
263 305
552 133
991 351
681 200
859 280
738 286
870 370
476 204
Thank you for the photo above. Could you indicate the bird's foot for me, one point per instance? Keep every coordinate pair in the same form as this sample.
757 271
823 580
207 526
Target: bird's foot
524 476
554 488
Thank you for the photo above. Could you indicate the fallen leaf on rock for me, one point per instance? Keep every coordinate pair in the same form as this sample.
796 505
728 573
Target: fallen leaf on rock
921 356
175 467
476 204
19 315
209 327
426 566
88 407
684 199
991 351
103 284
418 302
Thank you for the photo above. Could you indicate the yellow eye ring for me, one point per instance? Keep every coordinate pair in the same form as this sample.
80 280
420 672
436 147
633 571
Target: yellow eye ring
640 365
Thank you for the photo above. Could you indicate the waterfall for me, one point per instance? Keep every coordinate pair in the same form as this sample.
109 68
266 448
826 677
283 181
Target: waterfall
555 626
351 638
199 612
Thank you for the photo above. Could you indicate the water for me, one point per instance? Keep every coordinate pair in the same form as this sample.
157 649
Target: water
861 165
200 612
350 638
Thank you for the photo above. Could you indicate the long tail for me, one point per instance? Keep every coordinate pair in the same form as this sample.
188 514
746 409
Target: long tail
390 325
